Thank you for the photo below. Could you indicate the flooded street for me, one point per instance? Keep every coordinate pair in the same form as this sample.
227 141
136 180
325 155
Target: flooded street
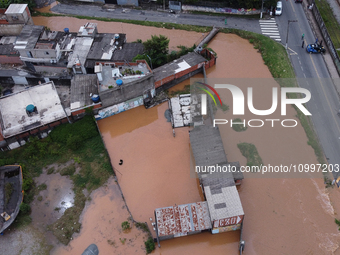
282 216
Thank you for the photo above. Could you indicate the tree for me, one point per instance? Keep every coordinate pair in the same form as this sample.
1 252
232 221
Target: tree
157 49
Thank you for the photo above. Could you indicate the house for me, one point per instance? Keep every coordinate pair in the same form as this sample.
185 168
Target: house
32 111
14 19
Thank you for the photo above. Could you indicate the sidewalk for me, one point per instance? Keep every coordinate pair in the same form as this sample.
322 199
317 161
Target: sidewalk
327 57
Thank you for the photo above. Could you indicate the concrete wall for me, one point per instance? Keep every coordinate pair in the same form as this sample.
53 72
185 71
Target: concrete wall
10 60
11 29
47 54
51 69
127 91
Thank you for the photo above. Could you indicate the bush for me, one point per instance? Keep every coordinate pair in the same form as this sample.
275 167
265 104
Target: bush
68 170
149 245
125 225
25 208
42 186
74 142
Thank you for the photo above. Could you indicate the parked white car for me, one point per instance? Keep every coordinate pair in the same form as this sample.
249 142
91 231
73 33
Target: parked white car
278 9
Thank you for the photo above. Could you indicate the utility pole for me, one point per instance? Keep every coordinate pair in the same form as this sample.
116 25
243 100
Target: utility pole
261 10
289 21
163 5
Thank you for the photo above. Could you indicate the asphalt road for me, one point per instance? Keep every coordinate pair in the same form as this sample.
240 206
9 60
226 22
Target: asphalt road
310 70
145 15
312 74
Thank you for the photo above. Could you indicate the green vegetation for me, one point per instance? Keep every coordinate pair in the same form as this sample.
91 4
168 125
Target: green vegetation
70 170
25 208
332 25
5 3
42 186
125 225
337 222
239 127
149 245
227 15
39 198
35 155
50 170
8 192
249 151
246 4
122 240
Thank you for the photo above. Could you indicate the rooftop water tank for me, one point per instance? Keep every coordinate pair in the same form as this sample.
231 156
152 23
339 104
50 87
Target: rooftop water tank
66 30
95 98
119 82
30 108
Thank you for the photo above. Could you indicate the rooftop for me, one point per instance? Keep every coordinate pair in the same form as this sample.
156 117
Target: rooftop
81 88
16 8
109 74
223 199
14 119
81 49
181 219
207 146
178 65
89 29
104 45
180 108
28 37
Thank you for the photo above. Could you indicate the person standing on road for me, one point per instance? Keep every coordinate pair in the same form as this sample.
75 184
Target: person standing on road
303 36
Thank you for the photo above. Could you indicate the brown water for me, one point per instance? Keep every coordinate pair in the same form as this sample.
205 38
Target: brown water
283 216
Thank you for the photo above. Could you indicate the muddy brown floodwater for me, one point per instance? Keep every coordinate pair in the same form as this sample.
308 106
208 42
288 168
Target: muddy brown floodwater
282 216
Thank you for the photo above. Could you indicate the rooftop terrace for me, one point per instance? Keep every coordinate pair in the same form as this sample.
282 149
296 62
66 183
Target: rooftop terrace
110 73
14 119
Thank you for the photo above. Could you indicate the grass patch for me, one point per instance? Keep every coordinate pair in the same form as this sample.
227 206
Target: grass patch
249 151
36 154
239 127
42 186
125 225
122 240
50 170
332 25
8 192
226 15
142 226
22 220
70 170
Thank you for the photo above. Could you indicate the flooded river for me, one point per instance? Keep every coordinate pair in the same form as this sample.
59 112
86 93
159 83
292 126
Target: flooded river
282 216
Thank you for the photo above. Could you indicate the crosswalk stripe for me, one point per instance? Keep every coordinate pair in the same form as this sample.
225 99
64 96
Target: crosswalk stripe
270 29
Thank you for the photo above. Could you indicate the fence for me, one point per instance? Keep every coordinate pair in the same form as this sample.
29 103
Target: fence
326 36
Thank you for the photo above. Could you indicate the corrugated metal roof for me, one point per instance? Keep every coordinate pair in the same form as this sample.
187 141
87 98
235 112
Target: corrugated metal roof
207 146
183 63
181 219
16 8
223 194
